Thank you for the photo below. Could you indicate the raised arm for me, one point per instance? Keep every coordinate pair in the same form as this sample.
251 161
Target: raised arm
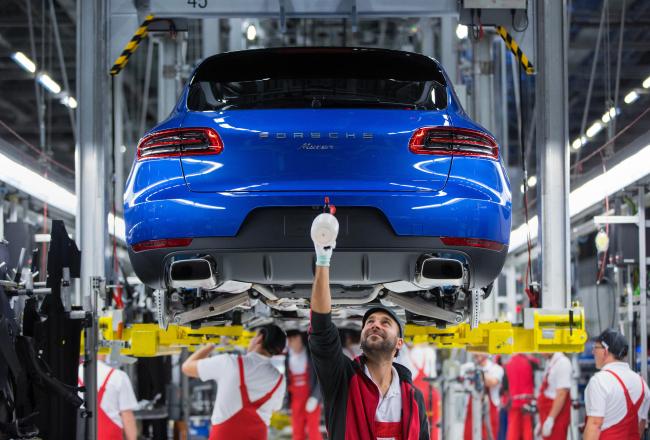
324 342
321 298
324 231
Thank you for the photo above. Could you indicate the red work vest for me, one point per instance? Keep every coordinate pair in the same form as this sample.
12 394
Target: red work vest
431 400
303 422
107 429
494 420
245 424
544 404
628 427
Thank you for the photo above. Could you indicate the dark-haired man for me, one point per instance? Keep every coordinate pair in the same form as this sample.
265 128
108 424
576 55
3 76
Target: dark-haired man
370 397
249 388
616 399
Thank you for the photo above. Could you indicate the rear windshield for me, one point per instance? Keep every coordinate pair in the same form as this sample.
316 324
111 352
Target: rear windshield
317 78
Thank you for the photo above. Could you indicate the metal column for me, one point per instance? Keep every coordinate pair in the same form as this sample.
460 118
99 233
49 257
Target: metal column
211 37
167 75
449 47
643 303
482 89
236 37
553 148
425 26
92 114
118 143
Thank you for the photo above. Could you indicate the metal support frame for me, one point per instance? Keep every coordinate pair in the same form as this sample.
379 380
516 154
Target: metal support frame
427 35
118 142
236 39
147 340
643 303
640 221
482 88
93 125
449 47
553 148
477 411
210 37
362 9
542 332
168 74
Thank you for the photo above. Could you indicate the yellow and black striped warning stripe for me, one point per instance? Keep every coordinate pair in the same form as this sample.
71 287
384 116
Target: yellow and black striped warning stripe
516 50
139 35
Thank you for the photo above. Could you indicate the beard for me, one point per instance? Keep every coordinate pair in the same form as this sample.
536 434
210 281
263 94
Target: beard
382 346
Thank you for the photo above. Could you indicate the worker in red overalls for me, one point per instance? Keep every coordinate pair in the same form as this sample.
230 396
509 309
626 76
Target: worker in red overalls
422 359
554 400
492 379
521 392
249 388
115 403
304 396
616 398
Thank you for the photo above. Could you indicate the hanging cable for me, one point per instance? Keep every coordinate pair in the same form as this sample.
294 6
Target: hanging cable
594 63
619 54
532 297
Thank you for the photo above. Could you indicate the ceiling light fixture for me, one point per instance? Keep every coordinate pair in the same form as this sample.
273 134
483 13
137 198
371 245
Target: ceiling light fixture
594 129
631 97
69 101
23 61
646 83
49 83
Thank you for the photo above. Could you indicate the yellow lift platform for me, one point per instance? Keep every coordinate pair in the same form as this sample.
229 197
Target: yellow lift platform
543 331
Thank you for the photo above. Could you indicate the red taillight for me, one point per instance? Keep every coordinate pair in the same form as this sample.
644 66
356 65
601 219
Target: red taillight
161 243
472 242
453 141
180 142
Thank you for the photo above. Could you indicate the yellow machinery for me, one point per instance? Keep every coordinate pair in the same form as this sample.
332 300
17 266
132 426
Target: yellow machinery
147 340
542 332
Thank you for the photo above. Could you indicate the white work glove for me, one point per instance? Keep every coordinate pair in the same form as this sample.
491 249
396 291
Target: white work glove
311 405
324 230
547 427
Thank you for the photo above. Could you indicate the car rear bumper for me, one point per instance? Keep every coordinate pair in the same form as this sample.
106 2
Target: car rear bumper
450 213
273 247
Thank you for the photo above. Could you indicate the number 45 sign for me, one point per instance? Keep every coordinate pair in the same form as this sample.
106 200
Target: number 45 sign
198 3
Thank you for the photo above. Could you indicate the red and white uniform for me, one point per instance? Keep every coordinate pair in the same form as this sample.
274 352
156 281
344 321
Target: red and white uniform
495 371
302 421
423 364
521 390
557 375
249 389
114 395
388 417
621 397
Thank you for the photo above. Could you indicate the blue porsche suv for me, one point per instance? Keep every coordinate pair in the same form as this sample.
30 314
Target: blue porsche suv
222 193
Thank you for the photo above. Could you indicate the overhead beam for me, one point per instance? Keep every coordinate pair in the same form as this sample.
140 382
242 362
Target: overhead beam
298 8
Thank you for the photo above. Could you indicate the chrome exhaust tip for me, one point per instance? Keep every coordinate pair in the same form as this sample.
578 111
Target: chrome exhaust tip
192 274
437 272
